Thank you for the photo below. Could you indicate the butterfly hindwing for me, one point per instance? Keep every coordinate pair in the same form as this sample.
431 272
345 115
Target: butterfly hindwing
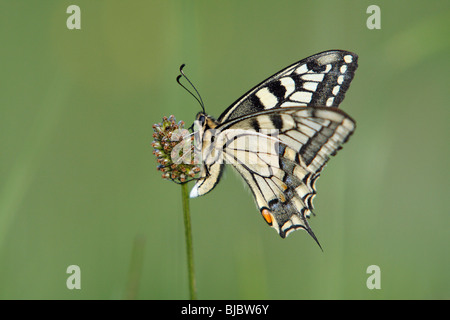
281 168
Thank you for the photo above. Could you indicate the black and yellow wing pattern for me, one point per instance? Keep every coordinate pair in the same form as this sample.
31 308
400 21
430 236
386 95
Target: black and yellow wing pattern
279 136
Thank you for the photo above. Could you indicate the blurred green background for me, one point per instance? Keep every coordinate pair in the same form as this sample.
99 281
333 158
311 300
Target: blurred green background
78 181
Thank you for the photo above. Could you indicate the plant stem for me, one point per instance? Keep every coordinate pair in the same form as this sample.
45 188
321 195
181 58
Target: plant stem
188 235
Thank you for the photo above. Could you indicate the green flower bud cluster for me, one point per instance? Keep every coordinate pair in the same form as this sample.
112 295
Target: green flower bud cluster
173 148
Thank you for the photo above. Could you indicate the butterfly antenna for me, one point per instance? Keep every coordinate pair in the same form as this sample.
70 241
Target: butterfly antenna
199 99
178 80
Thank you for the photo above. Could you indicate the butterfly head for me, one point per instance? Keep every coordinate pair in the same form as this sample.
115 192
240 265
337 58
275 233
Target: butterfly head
205 121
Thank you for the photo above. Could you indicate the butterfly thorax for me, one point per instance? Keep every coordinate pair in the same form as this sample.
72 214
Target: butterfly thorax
211 170
205 121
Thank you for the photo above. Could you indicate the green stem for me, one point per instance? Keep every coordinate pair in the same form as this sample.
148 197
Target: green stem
188 235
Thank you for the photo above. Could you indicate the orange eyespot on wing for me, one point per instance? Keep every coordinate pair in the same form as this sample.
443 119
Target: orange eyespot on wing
267 216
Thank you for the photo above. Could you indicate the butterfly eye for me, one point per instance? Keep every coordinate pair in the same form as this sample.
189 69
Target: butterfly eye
201 118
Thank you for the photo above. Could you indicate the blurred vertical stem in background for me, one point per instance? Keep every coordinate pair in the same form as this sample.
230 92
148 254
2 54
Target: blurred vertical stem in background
188 235
189 39
134 276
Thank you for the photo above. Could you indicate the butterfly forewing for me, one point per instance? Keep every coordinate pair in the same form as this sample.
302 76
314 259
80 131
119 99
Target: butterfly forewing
319 80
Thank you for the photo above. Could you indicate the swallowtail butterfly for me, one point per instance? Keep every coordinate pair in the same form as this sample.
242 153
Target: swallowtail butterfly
279 136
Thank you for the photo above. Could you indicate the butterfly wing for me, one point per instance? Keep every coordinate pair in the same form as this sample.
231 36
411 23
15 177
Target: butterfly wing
300 102
319 80
282 166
